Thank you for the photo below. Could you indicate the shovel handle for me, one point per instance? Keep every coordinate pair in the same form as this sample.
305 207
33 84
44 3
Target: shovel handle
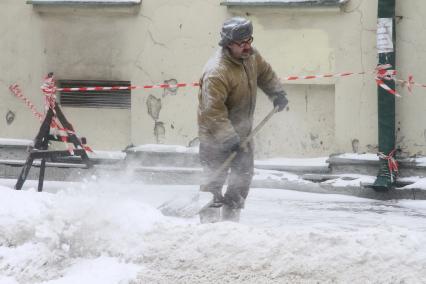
259 126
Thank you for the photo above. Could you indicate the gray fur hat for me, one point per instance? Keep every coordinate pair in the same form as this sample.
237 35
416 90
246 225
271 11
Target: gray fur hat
235 29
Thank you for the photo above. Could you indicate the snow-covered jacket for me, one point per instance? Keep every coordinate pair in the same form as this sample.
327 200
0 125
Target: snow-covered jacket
227 95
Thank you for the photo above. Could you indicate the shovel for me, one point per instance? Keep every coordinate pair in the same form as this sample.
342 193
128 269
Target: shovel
209 211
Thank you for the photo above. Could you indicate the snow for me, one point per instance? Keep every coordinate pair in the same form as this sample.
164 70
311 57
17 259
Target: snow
277 175
420 183
311 162
15 142
354 156
83 1
282 1
116 155
163 148
105 270
354 180
277 1
106 231
420 161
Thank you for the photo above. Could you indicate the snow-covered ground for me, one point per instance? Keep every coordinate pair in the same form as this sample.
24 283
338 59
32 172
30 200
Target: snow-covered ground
110 231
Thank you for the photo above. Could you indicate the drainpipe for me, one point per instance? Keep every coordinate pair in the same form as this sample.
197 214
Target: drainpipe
386 101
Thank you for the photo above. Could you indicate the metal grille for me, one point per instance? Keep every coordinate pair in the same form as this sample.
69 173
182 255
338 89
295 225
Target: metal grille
120 99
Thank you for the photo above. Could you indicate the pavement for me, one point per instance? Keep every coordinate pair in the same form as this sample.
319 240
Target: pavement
347 173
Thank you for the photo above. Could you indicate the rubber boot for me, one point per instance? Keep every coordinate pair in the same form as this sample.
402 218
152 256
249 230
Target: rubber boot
232 207
210 213
230 214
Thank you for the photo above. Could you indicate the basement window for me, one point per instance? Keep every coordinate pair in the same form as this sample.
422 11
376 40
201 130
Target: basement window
117 99
85 2
284 3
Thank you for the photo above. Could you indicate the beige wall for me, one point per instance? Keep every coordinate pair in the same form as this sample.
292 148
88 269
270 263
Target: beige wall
411 59
172 39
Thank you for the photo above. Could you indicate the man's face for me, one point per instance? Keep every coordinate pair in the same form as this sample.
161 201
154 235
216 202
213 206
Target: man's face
241 49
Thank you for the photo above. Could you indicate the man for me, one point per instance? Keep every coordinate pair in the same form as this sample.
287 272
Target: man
227 100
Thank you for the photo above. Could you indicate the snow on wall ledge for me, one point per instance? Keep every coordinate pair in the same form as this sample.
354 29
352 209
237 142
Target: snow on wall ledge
289 3
84 2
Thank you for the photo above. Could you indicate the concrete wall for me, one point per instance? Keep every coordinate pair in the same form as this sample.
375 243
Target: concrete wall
172 39
411 59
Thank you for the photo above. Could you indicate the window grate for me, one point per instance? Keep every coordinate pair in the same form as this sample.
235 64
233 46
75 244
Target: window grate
119 99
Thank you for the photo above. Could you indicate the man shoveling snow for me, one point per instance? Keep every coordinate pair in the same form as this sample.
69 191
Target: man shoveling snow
227 100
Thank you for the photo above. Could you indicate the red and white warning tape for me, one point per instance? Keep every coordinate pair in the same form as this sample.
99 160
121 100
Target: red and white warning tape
56 128
392 163
18 93
114 88
345 74
49 90
381 72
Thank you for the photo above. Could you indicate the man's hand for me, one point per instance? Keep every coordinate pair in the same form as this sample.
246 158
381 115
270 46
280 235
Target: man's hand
232 144
280 101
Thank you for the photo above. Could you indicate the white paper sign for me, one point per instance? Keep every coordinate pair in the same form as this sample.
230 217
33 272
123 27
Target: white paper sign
384 35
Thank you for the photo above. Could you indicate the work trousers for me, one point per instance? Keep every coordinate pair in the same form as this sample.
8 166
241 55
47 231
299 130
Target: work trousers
241 171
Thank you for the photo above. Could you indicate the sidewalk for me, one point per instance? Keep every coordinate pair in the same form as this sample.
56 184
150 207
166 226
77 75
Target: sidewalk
348 174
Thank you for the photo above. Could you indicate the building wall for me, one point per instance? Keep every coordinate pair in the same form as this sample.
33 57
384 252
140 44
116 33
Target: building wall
411 60
167 40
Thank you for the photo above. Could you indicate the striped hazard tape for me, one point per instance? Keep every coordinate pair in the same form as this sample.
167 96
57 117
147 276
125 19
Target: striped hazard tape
160 86
382 74
55 127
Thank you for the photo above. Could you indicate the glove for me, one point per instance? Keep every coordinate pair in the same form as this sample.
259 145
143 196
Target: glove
280 101
232 144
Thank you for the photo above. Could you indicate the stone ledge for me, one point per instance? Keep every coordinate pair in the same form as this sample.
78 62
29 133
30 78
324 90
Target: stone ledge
284 3
339 164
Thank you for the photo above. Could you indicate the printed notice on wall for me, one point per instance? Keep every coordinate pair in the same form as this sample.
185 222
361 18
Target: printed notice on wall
384 35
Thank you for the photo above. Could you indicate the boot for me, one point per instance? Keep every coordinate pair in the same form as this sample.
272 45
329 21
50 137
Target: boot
210 213
230 214
232 207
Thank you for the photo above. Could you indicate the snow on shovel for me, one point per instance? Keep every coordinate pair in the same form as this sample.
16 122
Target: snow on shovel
189 207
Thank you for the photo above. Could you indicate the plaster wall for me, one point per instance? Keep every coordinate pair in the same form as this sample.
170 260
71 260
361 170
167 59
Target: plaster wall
411 60
167 40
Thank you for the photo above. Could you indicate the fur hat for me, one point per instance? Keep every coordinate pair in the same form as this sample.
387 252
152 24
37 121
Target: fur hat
235 29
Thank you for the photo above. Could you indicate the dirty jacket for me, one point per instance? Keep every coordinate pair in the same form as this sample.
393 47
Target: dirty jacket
227 95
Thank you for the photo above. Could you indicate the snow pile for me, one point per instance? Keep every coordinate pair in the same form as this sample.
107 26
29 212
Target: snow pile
354 180
43 234
277 176
105 232
420 183
421 161
234 253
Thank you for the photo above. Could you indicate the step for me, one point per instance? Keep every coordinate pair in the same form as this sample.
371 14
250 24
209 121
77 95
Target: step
368 164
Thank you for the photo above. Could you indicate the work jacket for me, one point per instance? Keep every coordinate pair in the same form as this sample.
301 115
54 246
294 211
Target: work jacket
227 96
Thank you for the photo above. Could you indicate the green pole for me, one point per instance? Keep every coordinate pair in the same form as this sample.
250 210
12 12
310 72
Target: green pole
386 101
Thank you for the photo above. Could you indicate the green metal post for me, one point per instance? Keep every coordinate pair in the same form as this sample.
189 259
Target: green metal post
386 101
